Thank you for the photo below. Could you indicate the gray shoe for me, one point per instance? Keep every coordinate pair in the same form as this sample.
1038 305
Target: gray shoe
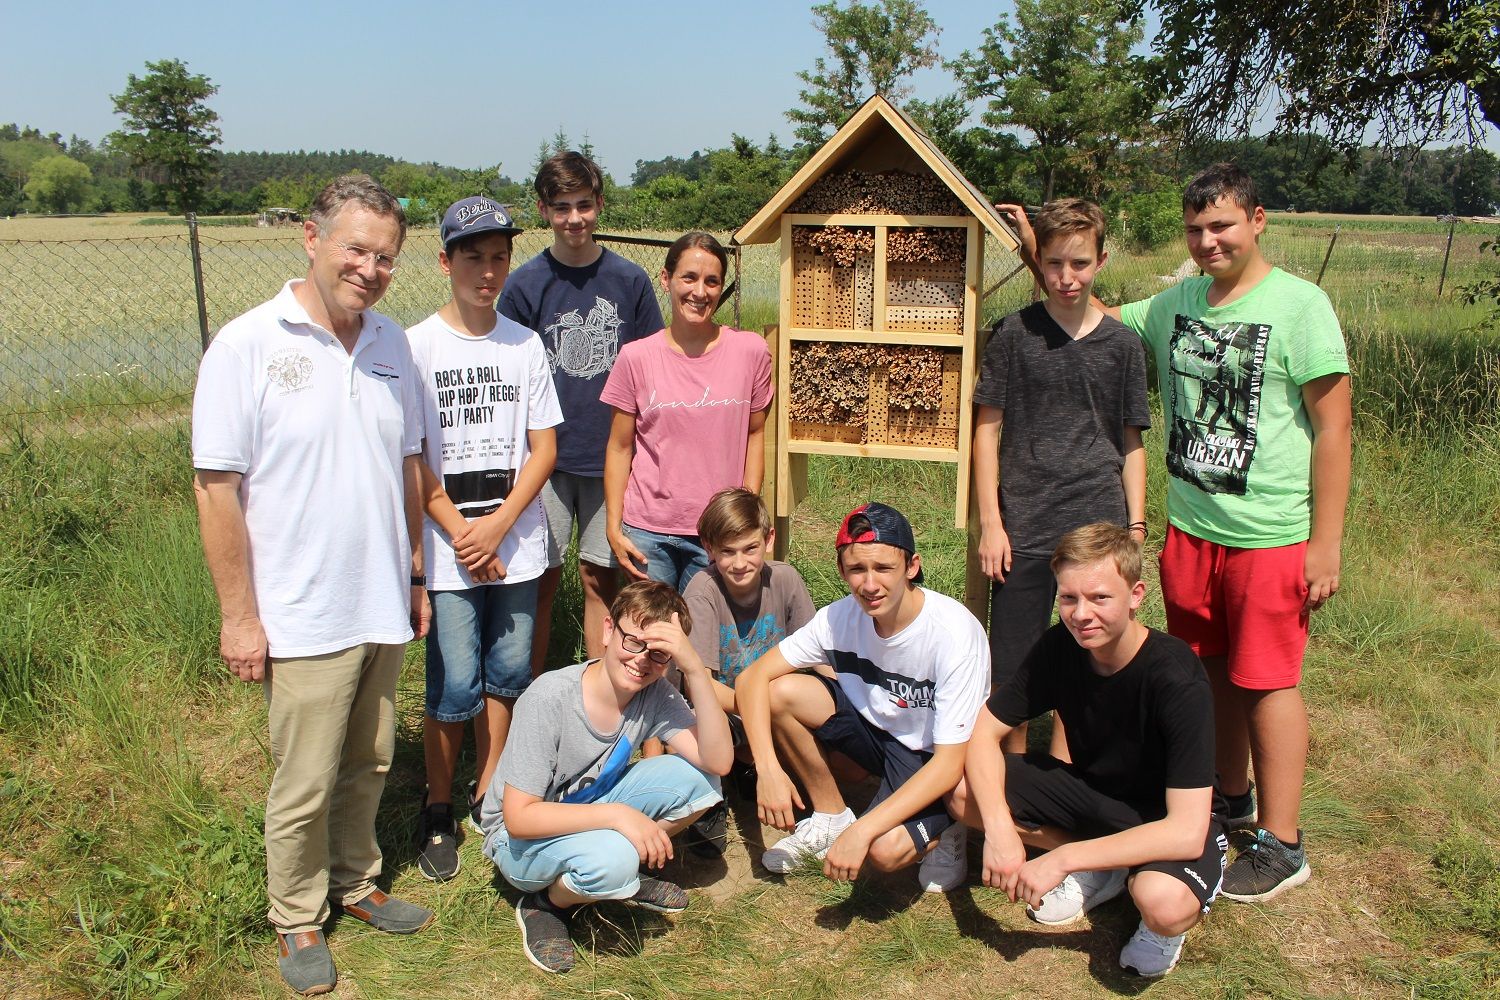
305 962
389 914
545 935
659 896
1266 869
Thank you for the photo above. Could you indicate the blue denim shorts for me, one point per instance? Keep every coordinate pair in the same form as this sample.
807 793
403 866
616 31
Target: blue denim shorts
670 559
480 644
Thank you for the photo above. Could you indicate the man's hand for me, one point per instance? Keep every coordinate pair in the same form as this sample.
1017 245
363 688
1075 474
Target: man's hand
242 644
1003 857
1321 569
1022 226
421 613
775 797
847 855
1038 877
649 840
994 553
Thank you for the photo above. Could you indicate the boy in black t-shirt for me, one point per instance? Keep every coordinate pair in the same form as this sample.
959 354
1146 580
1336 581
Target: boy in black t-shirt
1136 807
1061 403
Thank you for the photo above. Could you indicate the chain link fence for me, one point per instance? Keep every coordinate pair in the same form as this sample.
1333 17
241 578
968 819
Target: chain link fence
100 339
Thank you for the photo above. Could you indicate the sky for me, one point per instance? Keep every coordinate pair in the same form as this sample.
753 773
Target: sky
464 85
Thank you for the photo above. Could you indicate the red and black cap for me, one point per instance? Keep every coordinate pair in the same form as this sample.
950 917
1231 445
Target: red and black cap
878 522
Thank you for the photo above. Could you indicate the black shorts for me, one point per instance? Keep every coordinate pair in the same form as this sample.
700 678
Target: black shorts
878 752
1043 791
1020 611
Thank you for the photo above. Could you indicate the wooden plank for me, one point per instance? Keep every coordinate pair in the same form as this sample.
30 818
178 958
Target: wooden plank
783 501
962 503
873 450
874 219
896 339
880 278
771 452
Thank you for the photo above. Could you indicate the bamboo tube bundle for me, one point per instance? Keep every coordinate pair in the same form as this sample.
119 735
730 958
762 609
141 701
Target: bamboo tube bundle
831 381
924 245
891 192
843 243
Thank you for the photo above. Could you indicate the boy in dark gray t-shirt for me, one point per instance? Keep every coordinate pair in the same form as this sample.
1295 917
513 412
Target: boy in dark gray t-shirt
1057 439
567 819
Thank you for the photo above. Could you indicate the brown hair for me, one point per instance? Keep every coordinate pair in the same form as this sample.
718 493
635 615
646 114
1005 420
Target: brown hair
561 173
361 189
731 514
648 601
1094 542
1222 180
702 241
1066 217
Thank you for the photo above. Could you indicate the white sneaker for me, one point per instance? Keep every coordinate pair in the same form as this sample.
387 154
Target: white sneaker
1149 954
1076 895
810 839
945 867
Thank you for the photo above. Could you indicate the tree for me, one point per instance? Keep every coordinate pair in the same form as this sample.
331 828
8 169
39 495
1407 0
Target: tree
169 129
1412 70
873 48
1065 74
58 184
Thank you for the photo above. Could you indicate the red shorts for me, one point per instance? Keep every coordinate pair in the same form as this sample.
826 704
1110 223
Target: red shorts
1247 604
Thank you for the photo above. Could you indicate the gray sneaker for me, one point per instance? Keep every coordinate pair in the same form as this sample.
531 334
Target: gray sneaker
306 963
1266 869
545 935
1149 954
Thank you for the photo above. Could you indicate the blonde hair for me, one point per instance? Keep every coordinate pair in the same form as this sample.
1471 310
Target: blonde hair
1095 542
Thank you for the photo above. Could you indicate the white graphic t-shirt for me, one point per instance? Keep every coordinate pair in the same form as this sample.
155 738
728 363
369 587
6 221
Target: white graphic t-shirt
480 395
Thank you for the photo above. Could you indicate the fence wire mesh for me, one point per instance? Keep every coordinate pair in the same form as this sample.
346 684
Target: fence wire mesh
100 340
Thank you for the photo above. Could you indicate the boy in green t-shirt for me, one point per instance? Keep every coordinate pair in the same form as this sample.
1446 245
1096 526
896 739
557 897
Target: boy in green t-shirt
1255 388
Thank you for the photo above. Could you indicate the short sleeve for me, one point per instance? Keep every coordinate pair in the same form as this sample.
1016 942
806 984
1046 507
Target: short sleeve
647 311
412 406
1027 694
544 410
704 612
223 411
620 388
761 390
670 713
994 367
960 686
1316 347
1186 711
512 306
1136 314
799 606
529 761
1137 404
809 645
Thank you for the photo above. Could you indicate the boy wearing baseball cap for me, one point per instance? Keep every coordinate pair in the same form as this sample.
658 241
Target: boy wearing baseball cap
908 672
489 410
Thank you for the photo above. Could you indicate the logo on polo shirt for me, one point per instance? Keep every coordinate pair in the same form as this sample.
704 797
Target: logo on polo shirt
290 370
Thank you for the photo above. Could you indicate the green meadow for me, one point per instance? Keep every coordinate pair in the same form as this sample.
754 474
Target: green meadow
133 770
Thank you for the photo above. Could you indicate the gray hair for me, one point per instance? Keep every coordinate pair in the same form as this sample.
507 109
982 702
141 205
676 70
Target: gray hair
361 189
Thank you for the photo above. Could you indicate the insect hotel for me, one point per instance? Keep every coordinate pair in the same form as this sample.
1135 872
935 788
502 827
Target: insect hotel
877 350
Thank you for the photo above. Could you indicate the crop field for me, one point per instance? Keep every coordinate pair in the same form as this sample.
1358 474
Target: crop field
133 772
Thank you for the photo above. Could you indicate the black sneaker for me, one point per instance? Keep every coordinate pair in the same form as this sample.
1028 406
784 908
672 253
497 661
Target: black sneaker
708 835
659 896
1266 869
545 935
1241 814
437 838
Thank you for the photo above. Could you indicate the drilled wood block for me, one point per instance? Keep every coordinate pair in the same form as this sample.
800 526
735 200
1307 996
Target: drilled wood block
804 283
841 299
878 409
921 292
844 433
864 292
925 319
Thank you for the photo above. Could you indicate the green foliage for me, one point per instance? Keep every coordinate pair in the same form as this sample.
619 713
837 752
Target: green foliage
170 129
1413 69
1486 291
1064 73
730 186
872 49
1153 220
58 184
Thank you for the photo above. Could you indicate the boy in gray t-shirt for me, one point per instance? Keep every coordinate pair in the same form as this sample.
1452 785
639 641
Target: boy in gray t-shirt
567 819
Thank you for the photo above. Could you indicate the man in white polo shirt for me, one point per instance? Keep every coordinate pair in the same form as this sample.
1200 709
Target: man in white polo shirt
307 431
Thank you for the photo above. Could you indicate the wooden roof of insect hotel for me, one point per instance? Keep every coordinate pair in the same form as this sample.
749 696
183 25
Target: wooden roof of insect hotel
877 137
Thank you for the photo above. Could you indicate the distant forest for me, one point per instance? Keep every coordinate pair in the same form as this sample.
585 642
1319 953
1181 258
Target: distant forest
720 188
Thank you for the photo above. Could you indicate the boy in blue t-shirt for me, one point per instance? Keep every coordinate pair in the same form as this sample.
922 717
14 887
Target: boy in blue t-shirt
585 302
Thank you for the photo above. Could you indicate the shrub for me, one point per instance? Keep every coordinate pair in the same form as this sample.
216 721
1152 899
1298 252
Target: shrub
1153 220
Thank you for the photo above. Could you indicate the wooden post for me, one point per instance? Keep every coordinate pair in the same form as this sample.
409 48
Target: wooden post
1327 255
772 334
1447 252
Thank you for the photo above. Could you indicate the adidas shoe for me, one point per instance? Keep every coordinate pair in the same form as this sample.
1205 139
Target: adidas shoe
1150 954
1266 869
945 867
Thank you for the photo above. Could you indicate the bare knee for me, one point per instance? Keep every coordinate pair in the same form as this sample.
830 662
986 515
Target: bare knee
1166 905
893 851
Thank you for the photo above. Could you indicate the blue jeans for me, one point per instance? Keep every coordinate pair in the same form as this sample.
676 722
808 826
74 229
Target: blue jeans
480 644
604 864
671 559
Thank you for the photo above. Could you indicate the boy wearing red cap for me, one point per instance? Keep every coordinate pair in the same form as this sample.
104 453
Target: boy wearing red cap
908 672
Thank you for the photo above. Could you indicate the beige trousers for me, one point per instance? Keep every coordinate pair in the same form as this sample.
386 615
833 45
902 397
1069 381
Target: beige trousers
333 735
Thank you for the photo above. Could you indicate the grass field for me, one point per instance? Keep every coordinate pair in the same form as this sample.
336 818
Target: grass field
133 773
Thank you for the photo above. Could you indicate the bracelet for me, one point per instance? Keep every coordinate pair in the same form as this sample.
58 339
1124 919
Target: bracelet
1138 524
418 581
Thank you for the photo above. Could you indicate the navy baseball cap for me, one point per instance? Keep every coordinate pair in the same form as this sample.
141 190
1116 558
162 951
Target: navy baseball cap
472 216
878 522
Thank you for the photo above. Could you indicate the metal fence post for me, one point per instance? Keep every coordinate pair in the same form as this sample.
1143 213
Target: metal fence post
197 254
1443 277
1326 256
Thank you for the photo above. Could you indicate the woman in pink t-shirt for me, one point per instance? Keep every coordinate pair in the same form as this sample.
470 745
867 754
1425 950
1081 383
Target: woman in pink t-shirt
690 414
